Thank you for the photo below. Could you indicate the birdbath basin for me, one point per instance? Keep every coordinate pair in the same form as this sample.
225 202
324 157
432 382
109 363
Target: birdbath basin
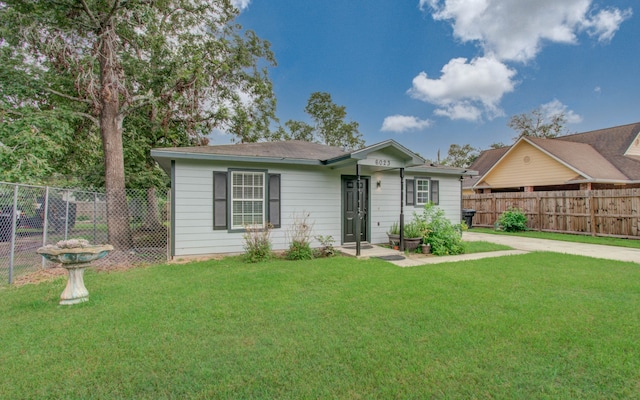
74 255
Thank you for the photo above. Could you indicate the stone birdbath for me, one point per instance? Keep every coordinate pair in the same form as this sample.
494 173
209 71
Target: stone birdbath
74 255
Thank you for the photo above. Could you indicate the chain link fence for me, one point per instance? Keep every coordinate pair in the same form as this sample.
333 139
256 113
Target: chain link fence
34 216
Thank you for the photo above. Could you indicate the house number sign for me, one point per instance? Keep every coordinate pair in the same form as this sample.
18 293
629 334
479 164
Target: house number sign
381 162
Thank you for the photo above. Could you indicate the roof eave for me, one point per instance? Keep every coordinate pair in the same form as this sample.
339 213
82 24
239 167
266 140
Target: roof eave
178 155
608 181
446 170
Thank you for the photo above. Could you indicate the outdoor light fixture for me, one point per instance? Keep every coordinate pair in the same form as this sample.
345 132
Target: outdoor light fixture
379 184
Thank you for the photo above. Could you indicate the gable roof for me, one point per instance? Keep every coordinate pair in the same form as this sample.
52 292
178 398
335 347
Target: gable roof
612 143
580 157
595 156
389 146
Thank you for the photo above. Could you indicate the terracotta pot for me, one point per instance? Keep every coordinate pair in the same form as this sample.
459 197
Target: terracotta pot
426 249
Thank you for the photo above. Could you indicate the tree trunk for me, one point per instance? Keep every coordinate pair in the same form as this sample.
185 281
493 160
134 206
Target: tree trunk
152 218
111 131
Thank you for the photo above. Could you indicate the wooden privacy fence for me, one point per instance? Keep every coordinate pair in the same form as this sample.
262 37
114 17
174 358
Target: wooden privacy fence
591 212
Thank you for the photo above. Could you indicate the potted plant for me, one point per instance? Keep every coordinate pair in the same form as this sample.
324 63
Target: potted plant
412 236
394 234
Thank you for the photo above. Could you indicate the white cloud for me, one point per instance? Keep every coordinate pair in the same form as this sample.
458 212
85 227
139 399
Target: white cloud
555 107
460 110
464 86
506 31
514 30
403 123
240 4
606 23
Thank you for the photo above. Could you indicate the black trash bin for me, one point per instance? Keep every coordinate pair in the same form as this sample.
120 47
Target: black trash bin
6 224
467 214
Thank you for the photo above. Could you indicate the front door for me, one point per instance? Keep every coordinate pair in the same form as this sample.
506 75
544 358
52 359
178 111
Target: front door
350 207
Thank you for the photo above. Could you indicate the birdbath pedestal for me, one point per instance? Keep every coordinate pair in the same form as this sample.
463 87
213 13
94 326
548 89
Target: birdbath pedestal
75 260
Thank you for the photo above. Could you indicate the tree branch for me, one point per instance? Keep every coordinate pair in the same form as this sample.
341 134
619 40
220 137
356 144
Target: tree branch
86 8
89 117
66 96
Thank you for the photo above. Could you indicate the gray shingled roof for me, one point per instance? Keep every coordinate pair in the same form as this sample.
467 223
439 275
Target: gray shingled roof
293 149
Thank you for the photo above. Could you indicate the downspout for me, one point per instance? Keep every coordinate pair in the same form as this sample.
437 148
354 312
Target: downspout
358 221
401 209
461 200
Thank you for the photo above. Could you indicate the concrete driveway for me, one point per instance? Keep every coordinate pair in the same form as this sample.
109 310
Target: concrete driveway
582 249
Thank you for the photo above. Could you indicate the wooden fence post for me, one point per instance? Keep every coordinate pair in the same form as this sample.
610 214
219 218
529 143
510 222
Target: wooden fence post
592 213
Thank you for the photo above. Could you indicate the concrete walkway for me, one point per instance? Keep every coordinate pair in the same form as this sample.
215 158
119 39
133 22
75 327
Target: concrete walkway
521 245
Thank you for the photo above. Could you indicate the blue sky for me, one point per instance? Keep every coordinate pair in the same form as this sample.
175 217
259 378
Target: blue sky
429 73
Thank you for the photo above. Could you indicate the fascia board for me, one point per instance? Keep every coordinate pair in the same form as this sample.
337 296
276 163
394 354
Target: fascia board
174 155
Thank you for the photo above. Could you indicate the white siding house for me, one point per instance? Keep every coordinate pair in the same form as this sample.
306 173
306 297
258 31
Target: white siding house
218 190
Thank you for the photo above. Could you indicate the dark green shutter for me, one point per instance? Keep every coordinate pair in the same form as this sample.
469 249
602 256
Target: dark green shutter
435 192
220 201
411 192
274 200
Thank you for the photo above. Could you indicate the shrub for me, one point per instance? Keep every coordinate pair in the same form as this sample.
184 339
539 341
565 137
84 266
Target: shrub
300 236
395 229
512 220
299 251
412 230
444 237
257 243
327 249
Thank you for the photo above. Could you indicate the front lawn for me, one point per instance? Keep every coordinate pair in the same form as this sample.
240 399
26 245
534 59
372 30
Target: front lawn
539 325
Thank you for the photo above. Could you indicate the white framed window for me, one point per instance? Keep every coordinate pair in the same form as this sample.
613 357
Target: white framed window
422 191
247 198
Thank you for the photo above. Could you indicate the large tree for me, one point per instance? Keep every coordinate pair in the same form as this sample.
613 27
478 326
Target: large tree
537 124
329 125
184 64
460 156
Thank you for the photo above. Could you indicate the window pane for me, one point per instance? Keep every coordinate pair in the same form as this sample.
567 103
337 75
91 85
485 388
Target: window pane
247 198
422 191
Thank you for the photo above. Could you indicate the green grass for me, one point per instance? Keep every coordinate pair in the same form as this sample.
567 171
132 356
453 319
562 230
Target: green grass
608 241
482 247
539 325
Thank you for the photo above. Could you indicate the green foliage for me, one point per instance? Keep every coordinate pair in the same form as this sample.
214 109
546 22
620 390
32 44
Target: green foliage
179 69
444 237
299 251
327 249
460 156
413 230
300 236
512 220
329 125
394 229
257 244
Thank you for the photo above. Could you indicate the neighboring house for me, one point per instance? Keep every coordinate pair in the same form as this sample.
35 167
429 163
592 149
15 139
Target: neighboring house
218 190
601 159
